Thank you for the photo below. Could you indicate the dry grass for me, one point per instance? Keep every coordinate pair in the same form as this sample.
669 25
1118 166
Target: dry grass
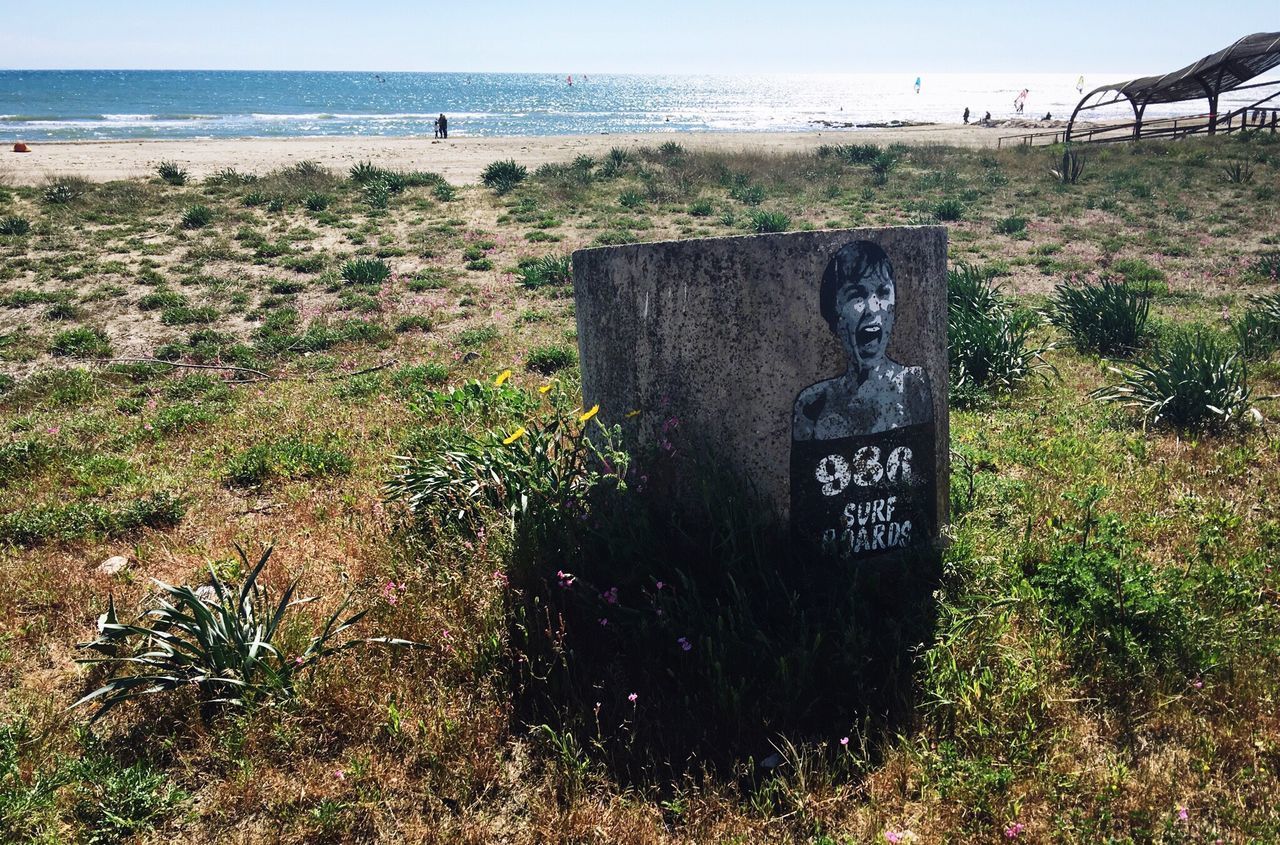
426 745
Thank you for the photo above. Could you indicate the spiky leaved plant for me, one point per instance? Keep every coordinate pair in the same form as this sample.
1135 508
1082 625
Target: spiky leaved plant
1195 382
1109 317
227 646
503 176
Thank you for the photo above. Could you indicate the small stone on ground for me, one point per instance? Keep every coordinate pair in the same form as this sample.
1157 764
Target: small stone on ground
113 565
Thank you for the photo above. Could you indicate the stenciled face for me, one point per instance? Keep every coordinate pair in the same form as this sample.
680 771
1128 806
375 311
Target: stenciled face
864 309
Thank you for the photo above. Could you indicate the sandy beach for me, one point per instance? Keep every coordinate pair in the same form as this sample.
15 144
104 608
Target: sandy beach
459 159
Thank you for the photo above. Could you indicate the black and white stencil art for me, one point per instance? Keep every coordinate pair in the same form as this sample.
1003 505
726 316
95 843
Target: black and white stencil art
862 447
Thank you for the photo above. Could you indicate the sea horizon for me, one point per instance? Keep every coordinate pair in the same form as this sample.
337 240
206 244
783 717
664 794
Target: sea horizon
69 105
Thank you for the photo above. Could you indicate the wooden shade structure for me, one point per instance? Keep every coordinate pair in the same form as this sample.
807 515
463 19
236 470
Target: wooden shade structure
1230 69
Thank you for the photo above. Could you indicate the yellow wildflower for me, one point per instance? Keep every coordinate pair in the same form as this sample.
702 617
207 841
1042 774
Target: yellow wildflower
634 413
595 409
502 377
545 388
515 435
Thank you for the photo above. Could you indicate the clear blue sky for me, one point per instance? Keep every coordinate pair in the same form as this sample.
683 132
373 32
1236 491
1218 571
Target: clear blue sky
660 36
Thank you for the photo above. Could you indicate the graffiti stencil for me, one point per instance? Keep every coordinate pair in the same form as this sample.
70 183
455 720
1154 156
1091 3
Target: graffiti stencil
862 442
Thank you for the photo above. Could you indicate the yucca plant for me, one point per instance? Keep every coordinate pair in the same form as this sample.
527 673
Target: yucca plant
376 194
631 198
1266 267
882 165
172 173
746 193
15 226
546 270
227 646
230 177
764 222
364 172
859 153
503 176
365 271
1195 382
990 348
63 191
971 287
1109 318
1012 225
1257 330
1071 168
701 208
948 209
1238 172
197 216
991 352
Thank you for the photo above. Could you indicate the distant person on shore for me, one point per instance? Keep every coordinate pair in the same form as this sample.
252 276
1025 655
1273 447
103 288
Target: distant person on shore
1047 116
966 115
917 85
444 126
436 124
986 118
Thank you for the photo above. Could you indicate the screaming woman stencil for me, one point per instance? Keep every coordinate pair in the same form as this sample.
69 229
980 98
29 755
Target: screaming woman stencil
862 443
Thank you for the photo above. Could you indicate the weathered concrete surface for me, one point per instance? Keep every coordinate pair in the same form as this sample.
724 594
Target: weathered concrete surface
723 334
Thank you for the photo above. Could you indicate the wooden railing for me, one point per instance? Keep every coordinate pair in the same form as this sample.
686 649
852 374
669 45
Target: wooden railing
1248 117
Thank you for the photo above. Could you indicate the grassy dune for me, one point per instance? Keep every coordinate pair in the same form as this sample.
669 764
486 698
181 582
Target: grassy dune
187 367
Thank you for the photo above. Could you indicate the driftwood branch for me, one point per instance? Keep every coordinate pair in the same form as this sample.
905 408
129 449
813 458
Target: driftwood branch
260 375
387 363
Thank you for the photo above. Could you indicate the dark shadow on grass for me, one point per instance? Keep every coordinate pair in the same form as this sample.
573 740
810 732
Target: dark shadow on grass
668 634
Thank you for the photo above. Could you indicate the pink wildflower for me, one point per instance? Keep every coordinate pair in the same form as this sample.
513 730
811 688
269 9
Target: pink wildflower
684 644
500 577
1182 814
339 774
391 590
1014 830
632 698
844 741
610 595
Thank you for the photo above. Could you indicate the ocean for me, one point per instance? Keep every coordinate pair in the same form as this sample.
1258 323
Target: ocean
116 105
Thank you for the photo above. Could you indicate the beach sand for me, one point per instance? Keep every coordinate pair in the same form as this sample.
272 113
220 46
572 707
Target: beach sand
459 159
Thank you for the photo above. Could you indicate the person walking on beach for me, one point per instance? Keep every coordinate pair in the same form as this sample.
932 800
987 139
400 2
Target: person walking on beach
917 85
444 126
966 115
436 124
